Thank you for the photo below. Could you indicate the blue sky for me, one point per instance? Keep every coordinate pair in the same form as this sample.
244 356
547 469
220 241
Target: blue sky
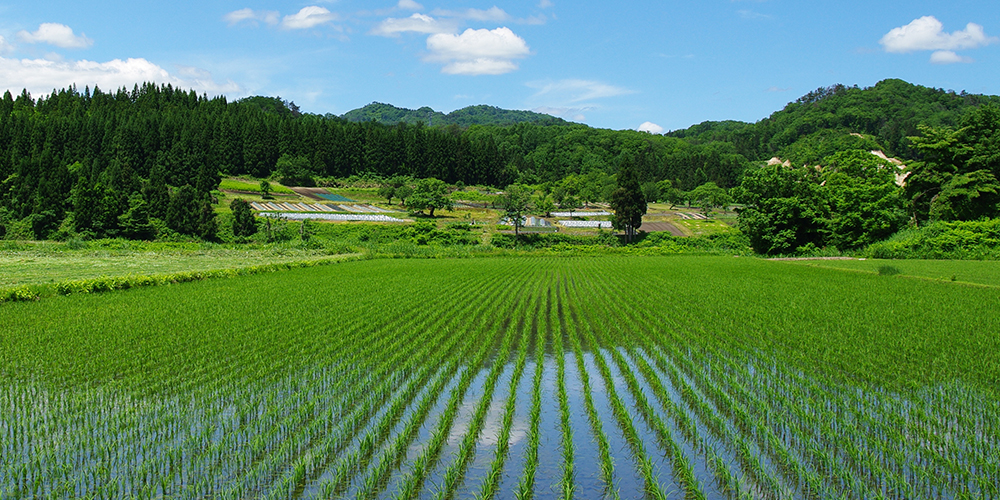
658 65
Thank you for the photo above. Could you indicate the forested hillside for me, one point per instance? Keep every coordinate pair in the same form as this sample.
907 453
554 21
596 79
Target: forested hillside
99 162
388 114
822 121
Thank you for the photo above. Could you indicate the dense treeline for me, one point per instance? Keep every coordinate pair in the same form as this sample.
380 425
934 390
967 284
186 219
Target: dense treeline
144 161
114 160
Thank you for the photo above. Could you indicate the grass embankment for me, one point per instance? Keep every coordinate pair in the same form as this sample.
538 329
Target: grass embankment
978 272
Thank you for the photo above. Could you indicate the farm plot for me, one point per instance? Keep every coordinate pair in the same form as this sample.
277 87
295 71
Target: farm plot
682 377
585 223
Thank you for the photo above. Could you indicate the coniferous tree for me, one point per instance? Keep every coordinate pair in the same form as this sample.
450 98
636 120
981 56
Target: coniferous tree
243 221
627 201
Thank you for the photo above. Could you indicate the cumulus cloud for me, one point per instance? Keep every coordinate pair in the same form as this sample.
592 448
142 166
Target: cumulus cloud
492 14
41 76
948 57
252 16
4 46
651 127
927 33
409 5
477 52
56 34
308 17
573 90
417 23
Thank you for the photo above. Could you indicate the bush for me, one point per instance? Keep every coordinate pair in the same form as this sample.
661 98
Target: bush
971 240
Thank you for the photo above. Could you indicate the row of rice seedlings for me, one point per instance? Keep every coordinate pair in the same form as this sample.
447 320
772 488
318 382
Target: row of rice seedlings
36 434
792 464
566 483
413 483
396 452
779 452
745 454
823 467
279 443
455 473
491 483
623 416
951 474
607 465
310 464
681 464
342 440
922 472
526 485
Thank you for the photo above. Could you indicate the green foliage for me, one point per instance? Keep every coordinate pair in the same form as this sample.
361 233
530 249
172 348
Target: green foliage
627 200
429 194
135 222
294 171
973 240
388 114
243 223
514 203
784 209
709 196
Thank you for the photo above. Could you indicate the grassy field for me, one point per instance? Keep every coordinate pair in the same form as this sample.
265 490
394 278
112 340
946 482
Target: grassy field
41 264
517 377
980 272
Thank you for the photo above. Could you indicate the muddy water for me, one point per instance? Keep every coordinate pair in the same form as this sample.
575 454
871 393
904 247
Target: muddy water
518 434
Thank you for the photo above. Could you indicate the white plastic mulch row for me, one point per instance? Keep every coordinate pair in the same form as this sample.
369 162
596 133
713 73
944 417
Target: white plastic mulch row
363 209
586 223
691 216
341 217
580 214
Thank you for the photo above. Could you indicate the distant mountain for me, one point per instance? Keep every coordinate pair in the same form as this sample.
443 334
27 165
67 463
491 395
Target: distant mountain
473 115
838 118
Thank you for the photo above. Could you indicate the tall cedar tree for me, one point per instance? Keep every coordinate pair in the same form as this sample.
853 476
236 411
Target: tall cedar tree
627 200
243 222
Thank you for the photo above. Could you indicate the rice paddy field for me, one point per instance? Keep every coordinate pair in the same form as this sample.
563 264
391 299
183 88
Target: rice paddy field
511 378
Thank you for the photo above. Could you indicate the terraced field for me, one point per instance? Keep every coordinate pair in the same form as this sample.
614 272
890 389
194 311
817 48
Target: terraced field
617 377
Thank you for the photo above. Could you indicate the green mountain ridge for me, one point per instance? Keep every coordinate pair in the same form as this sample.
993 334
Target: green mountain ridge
482 114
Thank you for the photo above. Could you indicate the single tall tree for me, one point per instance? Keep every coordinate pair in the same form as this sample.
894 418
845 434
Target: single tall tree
627 200
515 205
243 222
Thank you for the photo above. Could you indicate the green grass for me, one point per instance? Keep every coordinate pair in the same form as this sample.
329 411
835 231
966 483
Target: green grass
696 227
980 272
376 379
39 265
250 185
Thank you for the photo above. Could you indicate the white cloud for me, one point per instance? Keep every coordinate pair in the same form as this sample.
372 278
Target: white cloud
308 17
927 33
477 52
948 57
409 5
575 114
41 76
544 4
492 14
573 91
417 23
56 34
778 89
651 127
253 16
4 46
752 15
